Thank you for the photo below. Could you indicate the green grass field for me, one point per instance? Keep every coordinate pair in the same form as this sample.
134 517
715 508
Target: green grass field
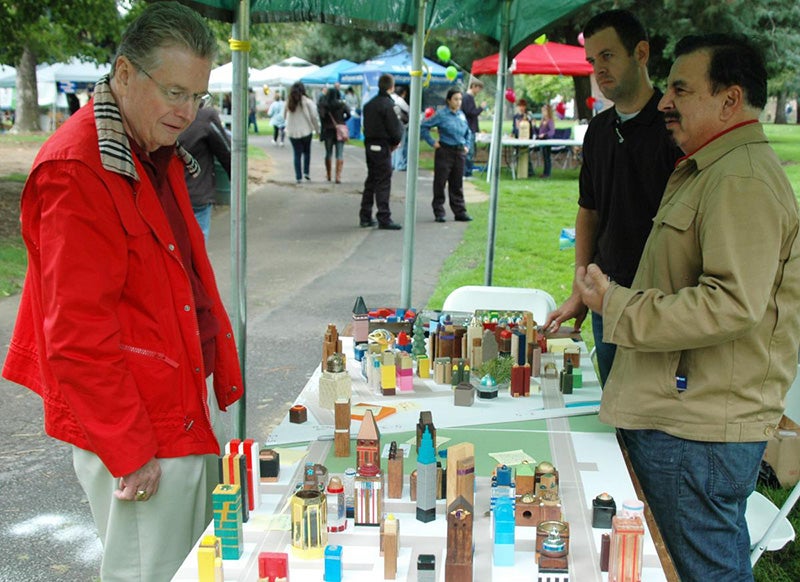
530 216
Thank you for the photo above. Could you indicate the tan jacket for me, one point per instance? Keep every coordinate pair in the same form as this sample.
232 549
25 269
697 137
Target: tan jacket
716 299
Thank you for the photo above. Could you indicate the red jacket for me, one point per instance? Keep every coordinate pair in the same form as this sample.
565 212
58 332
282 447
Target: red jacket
106 332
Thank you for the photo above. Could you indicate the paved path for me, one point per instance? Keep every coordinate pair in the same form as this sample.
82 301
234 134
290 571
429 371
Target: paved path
307 262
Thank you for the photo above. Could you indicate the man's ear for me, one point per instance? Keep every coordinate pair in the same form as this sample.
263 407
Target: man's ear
642 52
732 103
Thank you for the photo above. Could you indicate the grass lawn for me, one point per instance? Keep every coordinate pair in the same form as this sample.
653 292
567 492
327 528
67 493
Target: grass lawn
530 216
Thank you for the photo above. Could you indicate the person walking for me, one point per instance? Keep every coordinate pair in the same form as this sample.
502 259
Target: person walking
332 111
277 119
252 119
628 156
301 123
472 112
207 140
382 134
707 332
400 155
121 329
451 149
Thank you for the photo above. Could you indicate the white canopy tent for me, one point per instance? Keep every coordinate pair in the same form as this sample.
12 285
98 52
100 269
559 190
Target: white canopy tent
284 73
221 78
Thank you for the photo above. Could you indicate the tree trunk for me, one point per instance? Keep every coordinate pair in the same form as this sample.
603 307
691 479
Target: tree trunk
583 89
27 113
780 108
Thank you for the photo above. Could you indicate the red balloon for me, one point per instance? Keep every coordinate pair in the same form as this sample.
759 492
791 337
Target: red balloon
429 112
511 97
590 101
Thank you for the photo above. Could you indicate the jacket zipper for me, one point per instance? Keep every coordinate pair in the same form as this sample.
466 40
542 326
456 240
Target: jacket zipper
150 354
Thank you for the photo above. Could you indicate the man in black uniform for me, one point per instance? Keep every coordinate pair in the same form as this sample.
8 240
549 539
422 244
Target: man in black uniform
628 156
382 134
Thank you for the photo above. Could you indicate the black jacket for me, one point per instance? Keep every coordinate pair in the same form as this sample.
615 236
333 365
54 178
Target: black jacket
206 139
380 121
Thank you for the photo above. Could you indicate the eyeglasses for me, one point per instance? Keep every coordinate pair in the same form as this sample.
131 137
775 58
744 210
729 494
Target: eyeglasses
177 97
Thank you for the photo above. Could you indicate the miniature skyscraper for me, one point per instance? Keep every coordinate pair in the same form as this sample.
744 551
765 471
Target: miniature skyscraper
368 442
426 479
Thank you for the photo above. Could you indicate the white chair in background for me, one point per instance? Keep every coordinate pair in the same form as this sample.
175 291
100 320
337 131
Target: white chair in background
769 529
471 297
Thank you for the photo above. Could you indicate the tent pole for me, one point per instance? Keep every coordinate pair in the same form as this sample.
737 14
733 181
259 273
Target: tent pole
497 137
241 32
413 157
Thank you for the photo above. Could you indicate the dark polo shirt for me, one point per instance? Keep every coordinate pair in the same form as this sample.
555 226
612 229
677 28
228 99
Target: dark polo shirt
624 182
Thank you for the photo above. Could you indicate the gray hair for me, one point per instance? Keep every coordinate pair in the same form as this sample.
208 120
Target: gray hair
161 25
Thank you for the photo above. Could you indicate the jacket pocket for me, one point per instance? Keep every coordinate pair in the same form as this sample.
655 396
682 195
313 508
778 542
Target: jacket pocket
678 216
152 354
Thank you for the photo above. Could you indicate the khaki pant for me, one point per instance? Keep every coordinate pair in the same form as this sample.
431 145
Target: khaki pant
147 541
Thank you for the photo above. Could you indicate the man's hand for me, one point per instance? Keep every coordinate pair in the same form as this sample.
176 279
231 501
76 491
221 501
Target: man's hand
572 308
140 485
592 284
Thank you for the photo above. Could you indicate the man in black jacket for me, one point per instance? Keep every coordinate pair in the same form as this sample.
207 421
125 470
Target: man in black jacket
206 139
382 134
472 112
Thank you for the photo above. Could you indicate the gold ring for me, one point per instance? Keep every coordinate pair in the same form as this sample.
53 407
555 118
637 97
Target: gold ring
141 495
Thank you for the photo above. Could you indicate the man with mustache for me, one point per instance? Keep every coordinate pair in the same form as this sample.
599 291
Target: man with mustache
627 158
708 332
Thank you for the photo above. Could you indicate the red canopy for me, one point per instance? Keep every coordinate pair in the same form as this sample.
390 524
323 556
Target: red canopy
550 58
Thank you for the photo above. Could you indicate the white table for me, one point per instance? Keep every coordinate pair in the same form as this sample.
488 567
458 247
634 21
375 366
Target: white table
515 145
588 462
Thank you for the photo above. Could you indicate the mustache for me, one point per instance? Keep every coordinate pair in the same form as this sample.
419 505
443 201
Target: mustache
672 117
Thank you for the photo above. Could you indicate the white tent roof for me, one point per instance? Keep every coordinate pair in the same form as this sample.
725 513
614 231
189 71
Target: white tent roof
283 73
221 78
73 71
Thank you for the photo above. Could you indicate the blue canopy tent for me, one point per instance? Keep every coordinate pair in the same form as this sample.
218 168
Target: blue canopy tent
329 74
397 61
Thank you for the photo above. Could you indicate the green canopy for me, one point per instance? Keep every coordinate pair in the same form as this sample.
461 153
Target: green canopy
512 23
527 18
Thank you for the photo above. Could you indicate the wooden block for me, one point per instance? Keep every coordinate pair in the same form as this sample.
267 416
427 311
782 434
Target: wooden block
394 470
298 414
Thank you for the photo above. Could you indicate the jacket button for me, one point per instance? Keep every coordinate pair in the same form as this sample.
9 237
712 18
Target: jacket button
171 247
187 308
227 335
197 370
234 388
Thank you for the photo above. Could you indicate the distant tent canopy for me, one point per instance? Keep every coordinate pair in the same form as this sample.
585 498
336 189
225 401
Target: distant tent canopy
221 78
284 73
550 58
397 62
329 74
59 78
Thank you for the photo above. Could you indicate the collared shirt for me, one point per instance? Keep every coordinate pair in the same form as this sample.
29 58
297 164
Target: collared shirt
452 126
623 181
715 300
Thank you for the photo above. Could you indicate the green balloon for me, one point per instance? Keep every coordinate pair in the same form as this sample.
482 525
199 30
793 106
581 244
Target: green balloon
443 52
451 72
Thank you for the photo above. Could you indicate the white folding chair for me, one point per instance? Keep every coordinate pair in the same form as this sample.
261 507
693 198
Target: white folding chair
471 297
769 529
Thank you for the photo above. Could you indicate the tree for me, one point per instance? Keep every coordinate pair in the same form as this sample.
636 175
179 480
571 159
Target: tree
50 31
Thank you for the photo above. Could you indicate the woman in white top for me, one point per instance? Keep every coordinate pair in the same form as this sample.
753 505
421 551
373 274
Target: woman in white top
301 122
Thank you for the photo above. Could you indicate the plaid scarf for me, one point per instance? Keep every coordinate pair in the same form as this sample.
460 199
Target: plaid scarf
115 149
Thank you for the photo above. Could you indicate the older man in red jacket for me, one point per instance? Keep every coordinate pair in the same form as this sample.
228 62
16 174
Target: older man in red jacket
120 321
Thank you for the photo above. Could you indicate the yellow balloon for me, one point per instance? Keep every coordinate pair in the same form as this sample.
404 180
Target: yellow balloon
266 89
541 40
